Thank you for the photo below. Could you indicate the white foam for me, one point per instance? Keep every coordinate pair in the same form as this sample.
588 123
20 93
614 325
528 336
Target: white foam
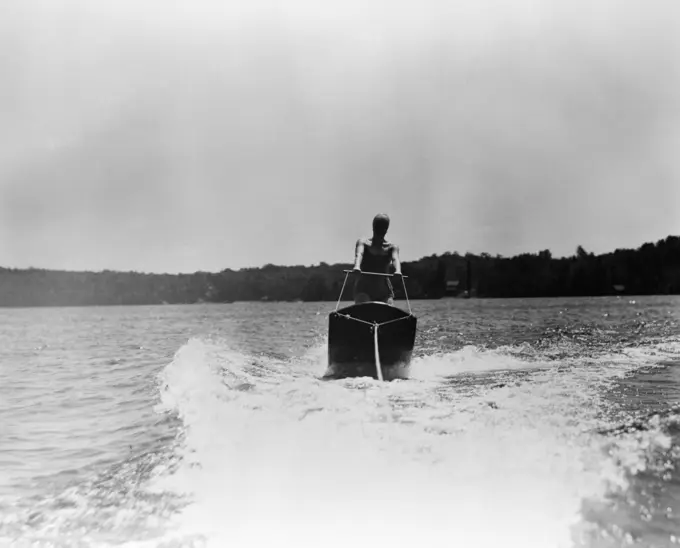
468 359
275 456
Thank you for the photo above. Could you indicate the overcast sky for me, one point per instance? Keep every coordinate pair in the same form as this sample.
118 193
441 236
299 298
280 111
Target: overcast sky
199 135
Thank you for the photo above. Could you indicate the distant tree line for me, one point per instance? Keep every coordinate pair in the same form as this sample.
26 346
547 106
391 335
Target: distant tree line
650 269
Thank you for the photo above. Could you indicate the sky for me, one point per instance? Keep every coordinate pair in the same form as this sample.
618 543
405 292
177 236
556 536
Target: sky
186 135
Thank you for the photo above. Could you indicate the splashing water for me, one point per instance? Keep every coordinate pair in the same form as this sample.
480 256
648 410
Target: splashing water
272 455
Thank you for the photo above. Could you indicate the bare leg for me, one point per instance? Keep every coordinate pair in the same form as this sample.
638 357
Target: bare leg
361 298
364 298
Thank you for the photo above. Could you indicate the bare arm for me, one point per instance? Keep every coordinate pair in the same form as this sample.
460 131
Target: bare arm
358 254
396 262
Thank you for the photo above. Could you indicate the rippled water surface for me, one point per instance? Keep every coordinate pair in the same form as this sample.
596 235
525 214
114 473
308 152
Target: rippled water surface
533 423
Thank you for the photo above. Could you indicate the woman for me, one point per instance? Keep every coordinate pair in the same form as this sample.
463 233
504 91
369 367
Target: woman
376 255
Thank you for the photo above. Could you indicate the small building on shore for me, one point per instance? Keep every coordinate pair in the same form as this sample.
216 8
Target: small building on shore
452 288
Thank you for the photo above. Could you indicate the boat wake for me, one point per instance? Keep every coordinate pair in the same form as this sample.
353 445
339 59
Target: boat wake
480 448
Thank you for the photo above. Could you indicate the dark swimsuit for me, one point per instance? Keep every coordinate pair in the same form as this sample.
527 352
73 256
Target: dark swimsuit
377 288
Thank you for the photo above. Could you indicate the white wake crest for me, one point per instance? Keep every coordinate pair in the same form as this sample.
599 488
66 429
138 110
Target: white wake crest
272 455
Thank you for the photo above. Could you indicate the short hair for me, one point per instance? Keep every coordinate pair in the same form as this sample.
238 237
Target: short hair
381 220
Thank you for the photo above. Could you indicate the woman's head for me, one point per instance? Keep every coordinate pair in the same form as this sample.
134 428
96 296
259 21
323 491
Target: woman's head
381 222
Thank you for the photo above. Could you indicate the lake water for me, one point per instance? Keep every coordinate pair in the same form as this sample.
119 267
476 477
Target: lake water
532 423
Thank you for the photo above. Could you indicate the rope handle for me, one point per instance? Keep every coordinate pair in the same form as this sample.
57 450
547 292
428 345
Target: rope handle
372 273
348 272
